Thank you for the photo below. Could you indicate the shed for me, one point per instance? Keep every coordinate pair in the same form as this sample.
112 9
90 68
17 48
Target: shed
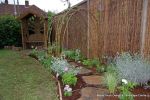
34 27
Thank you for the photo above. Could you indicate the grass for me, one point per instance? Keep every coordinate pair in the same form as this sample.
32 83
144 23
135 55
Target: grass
23 78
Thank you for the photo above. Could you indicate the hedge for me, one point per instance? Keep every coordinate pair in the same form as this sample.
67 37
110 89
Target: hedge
10 33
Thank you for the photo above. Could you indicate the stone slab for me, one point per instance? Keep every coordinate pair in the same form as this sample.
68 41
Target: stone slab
93 80
92 93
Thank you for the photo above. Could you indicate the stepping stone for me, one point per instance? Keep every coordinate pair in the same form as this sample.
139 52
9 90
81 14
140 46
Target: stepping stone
84 71
92 93
93 80
73 64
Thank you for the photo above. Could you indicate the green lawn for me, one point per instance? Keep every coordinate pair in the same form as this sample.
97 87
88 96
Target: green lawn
23 78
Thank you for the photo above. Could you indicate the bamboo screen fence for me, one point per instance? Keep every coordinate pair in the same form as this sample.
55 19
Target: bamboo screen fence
104 27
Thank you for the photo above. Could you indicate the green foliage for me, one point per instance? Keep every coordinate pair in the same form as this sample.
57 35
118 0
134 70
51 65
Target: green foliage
67 94
101 68
125 91
69 79
47 62
74 55
9 31
91 62
111 78
111 81
50 16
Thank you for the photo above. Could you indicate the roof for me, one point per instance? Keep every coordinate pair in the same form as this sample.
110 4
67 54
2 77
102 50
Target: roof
34 10
79 4
22 10
8 9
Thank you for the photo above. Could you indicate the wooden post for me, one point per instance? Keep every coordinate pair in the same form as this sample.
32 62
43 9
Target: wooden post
22 33
45 33
88 31
143 25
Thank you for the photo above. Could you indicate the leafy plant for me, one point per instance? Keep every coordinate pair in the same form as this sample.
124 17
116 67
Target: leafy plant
47 62
69 78
133 68
67 94
101 69
125 91
91 62
74 55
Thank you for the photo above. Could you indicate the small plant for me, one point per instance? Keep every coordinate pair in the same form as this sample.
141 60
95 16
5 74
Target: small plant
67 90
33 53
74 55
47 62
101 69
133 68
91 62
110 81
125 90
69 78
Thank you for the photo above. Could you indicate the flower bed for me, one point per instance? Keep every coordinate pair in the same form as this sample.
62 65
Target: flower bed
71 81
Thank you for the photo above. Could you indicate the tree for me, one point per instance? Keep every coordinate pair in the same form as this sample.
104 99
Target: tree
68 2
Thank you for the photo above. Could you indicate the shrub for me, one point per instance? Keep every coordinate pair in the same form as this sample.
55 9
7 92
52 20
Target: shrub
9 31
69 79
133 68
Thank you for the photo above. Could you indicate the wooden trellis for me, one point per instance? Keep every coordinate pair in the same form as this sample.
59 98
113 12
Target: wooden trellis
34 27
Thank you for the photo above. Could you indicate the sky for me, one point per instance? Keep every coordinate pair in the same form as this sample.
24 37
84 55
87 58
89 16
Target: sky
52 5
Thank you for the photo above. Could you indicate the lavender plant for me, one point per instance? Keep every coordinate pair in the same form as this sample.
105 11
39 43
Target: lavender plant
133 68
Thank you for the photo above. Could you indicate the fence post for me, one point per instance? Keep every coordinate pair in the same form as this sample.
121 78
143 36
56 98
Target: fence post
143 25
88 30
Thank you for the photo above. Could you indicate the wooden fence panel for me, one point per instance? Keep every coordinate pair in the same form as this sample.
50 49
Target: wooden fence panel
119 26
147 35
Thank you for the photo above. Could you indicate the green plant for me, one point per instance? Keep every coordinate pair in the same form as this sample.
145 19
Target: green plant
101 68
9 31
69 78
111 81
34 53
47 62
74 55
133 68
125 90
91 62
66 93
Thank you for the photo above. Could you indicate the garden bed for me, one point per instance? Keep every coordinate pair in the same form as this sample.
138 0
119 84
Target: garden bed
77 91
